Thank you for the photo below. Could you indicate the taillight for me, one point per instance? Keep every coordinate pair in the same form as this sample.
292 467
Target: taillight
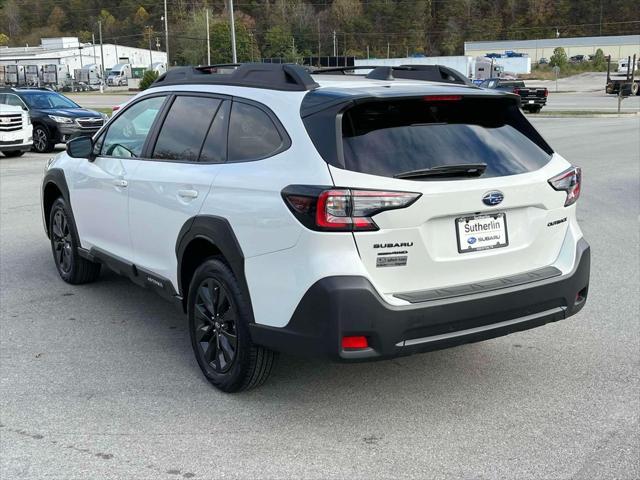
546 92
568 181
516 90
342 209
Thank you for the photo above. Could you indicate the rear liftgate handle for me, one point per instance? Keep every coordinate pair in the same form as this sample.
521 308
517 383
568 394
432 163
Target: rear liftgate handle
119 182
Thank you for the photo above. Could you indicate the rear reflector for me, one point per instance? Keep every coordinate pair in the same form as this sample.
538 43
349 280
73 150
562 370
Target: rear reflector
354 343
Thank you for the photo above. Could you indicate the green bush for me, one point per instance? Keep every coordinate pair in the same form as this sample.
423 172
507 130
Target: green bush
599 60
147 79
559 58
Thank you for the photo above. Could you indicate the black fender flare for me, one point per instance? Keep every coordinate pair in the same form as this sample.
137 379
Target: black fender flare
54 176
217 231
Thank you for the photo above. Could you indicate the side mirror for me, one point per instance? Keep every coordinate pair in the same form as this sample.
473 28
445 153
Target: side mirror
80 147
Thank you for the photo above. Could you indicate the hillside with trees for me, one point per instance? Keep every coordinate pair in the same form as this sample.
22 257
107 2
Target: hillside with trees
291 29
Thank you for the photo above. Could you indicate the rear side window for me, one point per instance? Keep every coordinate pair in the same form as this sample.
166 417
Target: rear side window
252 134
184 129
387 138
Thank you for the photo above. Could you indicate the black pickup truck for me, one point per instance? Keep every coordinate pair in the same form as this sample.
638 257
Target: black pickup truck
531 99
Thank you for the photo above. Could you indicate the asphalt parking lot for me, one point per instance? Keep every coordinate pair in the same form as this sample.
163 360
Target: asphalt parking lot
99 381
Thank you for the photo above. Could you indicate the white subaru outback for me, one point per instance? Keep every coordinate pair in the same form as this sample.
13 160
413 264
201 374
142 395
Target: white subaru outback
348 216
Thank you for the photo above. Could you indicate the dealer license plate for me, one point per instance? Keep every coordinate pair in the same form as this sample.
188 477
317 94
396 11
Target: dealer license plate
481 232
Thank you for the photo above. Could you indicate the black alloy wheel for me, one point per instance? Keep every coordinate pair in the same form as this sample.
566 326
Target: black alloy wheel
41 140
215 326
62 241
219 318
71 266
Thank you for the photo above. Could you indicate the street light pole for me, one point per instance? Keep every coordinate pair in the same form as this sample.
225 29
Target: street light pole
150 48
101 46
166 33
233 33
208 41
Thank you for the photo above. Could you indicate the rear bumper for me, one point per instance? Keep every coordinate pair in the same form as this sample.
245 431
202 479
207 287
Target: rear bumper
533 102
348 305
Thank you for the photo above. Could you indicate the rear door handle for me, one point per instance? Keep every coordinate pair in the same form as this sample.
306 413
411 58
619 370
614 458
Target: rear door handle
119 182
188 193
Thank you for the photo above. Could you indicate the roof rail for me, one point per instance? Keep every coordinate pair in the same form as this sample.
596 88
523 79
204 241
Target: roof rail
272 76
431 73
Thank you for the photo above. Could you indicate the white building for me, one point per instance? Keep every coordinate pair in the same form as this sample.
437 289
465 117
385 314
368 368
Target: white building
69 51
618 46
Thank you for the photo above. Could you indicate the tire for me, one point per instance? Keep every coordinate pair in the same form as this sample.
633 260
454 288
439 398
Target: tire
536 109
71 266
14 153
635 88
42 142
219 317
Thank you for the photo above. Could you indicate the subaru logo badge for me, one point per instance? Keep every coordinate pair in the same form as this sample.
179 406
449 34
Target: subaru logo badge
493 198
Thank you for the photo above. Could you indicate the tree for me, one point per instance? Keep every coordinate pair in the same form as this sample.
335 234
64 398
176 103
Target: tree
278 43
4 39
559 58
56 18
147 79
109 22
599 60
141 16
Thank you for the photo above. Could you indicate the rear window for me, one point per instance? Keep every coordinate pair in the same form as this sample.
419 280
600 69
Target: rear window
387 138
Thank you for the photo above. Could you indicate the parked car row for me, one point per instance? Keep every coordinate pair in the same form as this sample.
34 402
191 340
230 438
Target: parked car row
48 118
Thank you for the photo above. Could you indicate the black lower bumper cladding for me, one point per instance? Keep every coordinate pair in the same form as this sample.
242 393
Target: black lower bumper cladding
349 306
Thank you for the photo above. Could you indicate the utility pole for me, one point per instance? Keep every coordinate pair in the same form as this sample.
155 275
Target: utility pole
101 46
388 50
93 44
344 48
318 41
293 47
166 33
208 41
80 48
367 52
233 33
335 52
600 17
149 30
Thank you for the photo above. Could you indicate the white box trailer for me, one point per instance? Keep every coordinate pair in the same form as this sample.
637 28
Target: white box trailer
55 76
32 75
89 74
14 75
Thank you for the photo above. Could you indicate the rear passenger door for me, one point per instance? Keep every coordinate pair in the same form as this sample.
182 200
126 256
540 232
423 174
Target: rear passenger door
171 183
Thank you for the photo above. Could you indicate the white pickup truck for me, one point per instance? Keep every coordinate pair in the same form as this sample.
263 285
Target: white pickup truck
16 131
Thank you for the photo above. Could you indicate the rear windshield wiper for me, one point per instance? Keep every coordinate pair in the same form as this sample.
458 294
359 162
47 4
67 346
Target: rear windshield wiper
459 170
